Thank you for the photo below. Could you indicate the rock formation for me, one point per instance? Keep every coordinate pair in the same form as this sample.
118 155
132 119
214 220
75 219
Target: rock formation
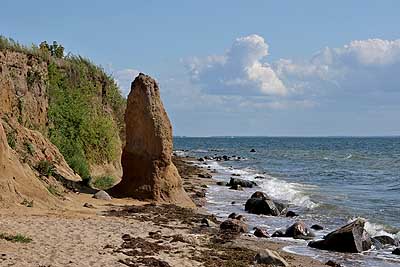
148 171
18 183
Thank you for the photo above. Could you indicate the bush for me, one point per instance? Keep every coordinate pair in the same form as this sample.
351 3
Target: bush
12 140
15 238
29 148
103 182
45 168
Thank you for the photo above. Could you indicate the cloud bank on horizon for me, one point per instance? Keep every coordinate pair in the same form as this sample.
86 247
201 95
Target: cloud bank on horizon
364 66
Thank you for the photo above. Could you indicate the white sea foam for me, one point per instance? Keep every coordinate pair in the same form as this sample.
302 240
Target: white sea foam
276 188
374 229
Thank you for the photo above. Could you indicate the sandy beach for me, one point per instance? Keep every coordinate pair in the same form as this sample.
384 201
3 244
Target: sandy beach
128 233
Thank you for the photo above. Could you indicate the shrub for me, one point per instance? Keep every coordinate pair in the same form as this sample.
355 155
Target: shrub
53 190
18 238
29 148
27 203
45 168
103 182
11 139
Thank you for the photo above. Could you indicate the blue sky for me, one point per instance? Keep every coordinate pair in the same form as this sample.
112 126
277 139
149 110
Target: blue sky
239 67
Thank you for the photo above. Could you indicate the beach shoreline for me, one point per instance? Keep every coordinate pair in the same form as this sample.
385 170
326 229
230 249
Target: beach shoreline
126 232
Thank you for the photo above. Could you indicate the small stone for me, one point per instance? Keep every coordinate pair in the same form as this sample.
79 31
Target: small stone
333 264
317 227
291 214
102 195
270 257
261 232
252 150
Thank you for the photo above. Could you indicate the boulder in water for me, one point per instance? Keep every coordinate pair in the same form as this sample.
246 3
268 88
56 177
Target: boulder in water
258 232
351 238
396 251
299 230
241 182
260 203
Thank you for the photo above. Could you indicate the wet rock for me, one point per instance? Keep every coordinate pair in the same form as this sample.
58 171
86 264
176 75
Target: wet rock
333 264
351 238
241 182
259 177
236 187
234 226
278 233
235 174
232 216
317 227
291 214
102 195
299 230
222 183
252 150
396 251
201 159
270 258
258 232
205 175
260 203
386 240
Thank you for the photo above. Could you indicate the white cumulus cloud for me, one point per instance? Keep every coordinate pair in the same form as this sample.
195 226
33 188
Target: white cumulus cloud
124 78
242 70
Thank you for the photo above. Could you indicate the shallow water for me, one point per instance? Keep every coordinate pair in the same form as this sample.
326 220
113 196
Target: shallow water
328 181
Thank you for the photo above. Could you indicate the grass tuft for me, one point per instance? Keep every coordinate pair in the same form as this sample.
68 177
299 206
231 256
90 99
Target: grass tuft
103 182
18 238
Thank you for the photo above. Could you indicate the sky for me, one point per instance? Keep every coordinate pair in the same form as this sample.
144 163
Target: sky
239 68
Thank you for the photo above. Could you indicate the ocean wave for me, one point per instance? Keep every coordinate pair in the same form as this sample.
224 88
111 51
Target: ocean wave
375 229
274 187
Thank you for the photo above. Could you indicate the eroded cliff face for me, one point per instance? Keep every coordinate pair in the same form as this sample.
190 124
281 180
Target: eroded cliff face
18 183
24 121
148 171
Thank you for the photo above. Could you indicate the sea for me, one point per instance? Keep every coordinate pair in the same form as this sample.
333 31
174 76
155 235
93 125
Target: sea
328 181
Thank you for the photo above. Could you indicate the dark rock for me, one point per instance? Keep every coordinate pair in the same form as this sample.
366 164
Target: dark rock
350 238
126 237
201 193
265 206
234 226
299 230
278 233
235 174
200 159
241 182
204 175
252 150
317 227
233 202
270 258
241 218
259 177
291 214
386 240
102 195
259 194
226 158
333 264
232 216
260 232
236 187
222 183
396 251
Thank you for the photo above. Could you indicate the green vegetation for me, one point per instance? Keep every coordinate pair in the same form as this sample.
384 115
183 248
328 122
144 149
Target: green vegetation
45 168
86 108
82 126
29 148
103 182
11 139
53 190
18 238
